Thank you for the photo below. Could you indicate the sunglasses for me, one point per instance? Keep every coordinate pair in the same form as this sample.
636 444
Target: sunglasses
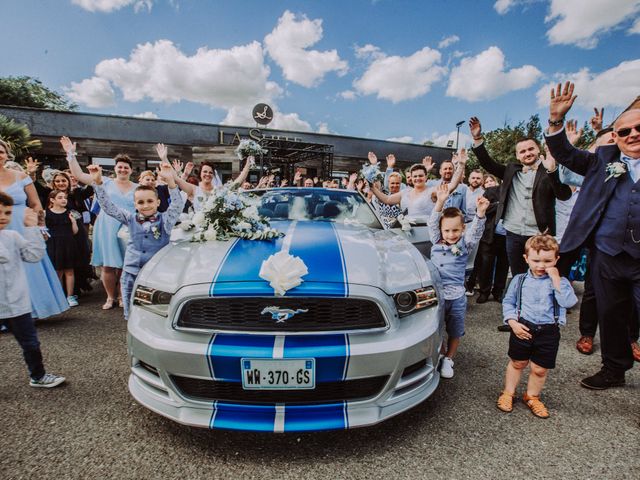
624 132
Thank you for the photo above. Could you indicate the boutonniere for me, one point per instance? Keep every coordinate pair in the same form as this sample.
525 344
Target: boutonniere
456 250
156 232
615 169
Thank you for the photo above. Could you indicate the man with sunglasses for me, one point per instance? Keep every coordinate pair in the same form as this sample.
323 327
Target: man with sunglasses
607 217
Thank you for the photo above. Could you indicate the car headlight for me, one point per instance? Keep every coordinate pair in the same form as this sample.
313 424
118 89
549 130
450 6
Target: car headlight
410 301
151 299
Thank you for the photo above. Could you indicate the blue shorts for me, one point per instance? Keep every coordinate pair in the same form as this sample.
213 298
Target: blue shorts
454 312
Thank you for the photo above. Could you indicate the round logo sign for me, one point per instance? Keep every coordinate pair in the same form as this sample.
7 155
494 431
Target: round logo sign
262 114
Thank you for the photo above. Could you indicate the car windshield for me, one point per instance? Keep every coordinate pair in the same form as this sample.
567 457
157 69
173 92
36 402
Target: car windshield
316 204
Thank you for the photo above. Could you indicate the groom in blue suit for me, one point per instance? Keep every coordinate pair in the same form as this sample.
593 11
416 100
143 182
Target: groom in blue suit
607 217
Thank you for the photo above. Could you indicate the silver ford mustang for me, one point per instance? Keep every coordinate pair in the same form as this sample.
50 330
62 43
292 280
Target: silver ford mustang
357 342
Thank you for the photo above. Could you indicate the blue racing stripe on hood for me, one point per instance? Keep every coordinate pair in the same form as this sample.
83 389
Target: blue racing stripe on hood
316 243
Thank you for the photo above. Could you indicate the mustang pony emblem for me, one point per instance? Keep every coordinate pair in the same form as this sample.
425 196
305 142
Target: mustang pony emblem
282 314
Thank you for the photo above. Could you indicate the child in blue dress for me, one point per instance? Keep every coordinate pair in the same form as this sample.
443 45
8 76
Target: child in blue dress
452 242
149 230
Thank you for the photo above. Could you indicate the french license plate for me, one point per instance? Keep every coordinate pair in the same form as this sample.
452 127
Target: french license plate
278 374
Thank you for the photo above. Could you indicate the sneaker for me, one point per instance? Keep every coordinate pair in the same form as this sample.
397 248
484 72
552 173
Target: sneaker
585 345
469 293
48 381
602 380
482 298
446 369
536 406
72 301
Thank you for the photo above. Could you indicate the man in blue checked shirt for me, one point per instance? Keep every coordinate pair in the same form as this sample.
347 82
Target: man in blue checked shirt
534 306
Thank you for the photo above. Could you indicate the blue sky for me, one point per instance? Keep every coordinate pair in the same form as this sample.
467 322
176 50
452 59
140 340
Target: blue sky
382 69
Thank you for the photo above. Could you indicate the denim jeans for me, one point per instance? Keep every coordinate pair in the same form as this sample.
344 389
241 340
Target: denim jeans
24 330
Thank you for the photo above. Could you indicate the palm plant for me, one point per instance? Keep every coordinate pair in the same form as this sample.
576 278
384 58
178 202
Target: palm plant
18 136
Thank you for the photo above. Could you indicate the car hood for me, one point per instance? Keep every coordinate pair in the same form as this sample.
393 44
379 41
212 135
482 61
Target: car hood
336 255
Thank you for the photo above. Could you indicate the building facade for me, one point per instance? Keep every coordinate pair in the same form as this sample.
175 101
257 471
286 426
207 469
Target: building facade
101 137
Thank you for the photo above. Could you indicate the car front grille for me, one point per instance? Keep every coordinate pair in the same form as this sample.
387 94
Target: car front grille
326 392
246 314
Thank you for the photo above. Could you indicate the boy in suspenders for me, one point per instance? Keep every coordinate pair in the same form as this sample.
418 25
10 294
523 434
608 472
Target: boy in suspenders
534 306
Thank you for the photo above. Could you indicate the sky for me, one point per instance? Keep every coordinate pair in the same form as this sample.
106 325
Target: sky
384 69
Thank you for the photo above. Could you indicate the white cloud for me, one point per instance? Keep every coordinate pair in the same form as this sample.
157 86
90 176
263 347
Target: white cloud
106 6
323 127
441 140
398 78
146 115
281 121
405 139
580 23
503 6
288 45
348 95
93 92
616 87
368 51
218 78
450 40
635 28
484 77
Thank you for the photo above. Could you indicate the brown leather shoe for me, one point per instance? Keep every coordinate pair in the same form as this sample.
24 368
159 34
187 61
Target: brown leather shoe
635 349
585 345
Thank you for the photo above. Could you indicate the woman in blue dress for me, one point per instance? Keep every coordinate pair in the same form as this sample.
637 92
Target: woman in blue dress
47 296
107 249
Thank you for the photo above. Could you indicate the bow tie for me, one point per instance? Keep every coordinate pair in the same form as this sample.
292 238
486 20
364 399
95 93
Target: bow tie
141 218
533 168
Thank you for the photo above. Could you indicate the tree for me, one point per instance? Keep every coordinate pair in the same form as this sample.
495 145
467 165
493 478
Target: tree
18 136
30 92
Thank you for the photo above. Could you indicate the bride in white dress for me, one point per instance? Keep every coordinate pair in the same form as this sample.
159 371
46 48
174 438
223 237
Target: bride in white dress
417 201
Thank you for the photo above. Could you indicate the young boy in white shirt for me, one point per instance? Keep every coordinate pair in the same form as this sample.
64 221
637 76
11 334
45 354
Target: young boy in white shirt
15 301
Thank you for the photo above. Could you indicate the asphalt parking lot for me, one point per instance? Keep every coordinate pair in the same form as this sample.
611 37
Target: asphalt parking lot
92 428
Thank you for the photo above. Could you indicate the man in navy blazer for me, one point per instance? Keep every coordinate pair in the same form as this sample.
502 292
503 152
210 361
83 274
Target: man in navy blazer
607 217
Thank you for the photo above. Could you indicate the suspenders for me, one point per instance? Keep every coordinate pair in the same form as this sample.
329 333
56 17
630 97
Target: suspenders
520 279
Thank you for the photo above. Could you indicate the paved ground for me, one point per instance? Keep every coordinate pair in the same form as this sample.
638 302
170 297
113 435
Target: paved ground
92 428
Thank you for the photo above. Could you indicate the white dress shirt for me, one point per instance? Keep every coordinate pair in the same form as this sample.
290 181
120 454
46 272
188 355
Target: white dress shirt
14 249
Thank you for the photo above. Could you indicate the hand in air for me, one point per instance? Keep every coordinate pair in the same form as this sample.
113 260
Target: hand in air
96 173
481 206
68 146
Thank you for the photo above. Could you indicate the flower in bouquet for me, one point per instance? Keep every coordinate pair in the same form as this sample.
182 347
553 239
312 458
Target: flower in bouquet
456 250
372 173
249 148
227 214
156 232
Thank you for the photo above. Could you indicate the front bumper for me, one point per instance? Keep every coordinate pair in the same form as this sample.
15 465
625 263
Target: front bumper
406 355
